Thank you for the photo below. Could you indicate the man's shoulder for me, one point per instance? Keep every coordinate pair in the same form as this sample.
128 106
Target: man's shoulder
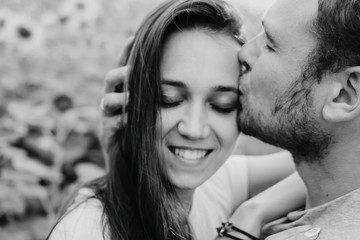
338 219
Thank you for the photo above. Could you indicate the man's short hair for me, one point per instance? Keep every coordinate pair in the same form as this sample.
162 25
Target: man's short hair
337 28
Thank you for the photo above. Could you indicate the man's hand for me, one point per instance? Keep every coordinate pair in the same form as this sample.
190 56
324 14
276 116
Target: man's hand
115 98
297 233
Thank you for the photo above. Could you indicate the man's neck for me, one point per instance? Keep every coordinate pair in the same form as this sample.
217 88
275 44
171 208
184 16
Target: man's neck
329 178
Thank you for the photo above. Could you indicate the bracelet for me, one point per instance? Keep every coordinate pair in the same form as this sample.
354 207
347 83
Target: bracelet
228 227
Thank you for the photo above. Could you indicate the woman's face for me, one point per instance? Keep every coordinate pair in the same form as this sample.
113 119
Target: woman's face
199 75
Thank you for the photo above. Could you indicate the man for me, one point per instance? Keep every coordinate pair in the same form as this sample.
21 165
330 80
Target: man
301 91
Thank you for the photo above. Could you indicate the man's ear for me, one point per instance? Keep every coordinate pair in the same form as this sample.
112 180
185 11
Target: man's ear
343 103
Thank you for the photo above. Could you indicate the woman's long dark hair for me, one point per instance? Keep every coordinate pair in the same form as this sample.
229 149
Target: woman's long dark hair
139 202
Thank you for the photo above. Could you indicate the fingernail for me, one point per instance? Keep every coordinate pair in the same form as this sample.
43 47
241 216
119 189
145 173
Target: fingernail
102 104
312 232
130 39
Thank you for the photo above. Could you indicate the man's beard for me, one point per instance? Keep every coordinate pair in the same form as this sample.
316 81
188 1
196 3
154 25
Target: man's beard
292 124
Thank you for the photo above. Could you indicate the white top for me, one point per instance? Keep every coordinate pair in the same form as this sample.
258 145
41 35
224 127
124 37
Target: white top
213 203
216 199
83 220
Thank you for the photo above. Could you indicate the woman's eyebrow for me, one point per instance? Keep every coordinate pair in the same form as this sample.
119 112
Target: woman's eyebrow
173 83
222 88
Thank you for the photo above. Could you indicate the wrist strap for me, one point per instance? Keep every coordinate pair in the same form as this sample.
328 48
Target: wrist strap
228 227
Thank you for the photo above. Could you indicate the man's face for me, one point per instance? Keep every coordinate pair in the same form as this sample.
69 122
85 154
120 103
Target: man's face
278 104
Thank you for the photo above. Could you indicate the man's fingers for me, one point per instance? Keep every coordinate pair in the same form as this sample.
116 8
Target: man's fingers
274 226
290 233
112 103
278 221
280 228
297 233
115 79
312 233
123 58
109 125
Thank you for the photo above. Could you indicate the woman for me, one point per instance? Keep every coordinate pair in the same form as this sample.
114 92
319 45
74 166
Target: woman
181 127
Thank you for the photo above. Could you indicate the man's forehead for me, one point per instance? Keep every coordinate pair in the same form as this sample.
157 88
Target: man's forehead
291 13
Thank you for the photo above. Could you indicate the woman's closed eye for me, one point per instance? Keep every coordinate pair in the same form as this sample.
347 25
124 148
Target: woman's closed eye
223 108
224 104
170 101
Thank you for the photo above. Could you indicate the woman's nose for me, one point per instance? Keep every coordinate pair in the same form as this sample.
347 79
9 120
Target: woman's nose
194 124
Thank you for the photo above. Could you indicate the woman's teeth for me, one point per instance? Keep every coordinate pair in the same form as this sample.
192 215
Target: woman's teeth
190 154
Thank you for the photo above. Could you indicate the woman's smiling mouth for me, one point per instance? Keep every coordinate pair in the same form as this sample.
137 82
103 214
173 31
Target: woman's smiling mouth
189 153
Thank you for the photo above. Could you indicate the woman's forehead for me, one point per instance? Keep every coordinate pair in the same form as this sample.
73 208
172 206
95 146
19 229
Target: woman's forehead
200 57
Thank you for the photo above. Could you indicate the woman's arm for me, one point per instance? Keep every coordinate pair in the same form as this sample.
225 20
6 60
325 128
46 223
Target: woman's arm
275 202
274 190
267 170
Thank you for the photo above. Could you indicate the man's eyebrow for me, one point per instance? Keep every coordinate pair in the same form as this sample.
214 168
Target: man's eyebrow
173 83
222 88
268 34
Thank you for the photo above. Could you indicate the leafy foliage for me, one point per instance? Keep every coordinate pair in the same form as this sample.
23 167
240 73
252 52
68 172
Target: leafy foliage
54 55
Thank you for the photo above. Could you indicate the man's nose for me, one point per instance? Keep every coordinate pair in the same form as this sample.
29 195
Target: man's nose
193 124
248 54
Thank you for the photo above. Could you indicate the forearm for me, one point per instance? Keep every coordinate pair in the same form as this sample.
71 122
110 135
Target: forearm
280 199
273 203
265 171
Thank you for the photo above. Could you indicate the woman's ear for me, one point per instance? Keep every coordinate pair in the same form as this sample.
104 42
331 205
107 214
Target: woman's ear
343 103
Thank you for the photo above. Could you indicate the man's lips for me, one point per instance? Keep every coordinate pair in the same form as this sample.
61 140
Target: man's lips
190 153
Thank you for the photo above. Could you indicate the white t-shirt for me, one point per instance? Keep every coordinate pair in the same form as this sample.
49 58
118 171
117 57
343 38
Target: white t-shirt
83 220
337 219
214 202
216 199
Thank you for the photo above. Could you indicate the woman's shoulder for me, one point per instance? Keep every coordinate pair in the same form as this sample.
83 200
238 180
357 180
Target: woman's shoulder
231 178
83 219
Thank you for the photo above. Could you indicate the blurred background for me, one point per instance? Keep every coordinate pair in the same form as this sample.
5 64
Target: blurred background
53 57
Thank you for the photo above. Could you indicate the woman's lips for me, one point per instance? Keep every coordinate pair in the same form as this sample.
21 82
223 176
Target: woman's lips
190 153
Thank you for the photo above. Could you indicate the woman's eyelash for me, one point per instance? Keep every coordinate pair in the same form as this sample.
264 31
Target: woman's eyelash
223 109
168 102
